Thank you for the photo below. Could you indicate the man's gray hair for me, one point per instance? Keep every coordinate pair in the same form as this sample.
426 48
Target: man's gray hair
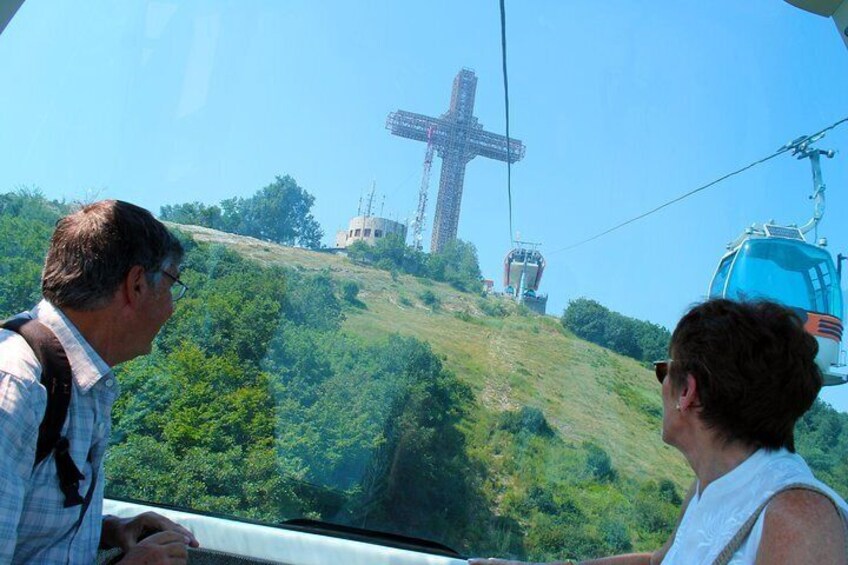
93 249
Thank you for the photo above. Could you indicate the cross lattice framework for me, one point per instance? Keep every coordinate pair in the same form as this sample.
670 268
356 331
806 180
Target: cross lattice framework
457 137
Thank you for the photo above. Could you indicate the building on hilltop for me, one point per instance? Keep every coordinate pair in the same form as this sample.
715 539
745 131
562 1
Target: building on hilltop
367 227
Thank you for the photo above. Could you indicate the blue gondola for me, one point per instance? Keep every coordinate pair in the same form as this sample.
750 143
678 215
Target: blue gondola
777 263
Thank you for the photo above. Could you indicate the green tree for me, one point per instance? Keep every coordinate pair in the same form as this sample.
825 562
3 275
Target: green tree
620 335
389 253
31 204
312 302
588 319
423 478
279 212
193 213
458 265
593 322
26 223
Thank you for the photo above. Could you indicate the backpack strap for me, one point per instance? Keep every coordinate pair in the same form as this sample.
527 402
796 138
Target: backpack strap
742 534
56 378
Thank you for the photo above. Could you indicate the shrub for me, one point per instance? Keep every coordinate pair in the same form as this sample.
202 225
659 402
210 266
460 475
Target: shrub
599 464
616 537
430 299
493 307
654 515
464 316
528 420
350 291
668 493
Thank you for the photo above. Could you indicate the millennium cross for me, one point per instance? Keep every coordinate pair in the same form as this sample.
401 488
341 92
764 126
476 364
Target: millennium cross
457 137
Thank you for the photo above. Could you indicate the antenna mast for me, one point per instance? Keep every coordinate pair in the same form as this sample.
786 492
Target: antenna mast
418 222
370 199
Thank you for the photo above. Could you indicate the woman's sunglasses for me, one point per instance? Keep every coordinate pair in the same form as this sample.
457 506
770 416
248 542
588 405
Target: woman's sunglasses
661 369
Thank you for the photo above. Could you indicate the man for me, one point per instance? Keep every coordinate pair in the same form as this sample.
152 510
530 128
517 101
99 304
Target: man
108 286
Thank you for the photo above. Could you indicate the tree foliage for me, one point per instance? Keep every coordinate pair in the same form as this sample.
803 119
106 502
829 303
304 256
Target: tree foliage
456 264
253 370
279 212
821 437
26 222
594 322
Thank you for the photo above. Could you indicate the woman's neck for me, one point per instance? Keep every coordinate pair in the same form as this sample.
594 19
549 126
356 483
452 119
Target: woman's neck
714 458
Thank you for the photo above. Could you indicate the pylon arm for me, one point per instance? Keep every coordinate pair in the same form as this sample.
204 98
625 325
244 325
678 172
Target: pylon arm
818 185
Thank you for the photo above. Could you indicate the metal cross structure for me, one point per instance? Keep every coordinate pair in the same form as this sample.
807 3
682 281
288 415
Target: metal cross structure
457 137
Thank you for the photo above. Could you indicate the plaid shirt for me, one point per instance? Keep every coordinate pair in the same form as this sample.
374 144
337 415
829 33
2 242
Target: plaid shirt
35 527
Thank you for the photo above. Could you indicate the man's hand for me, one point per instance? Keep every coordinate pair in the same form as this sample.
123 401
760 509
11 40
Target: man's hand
164 548
127 533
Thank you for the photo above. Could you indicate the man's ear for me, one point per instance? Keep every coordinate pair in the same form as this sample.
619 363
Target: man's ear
689 397
134 287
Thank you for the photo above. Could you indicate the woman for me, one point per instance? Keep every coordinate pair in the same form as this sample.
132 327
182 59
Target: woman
739 377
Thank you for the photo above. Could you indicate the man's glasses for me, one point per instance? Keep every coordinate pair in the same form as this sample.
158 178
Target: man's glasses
661 369
178 289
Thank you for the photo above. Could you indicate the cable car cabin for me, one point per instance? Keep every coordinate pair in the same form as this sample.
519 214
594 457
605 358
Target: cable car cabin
523 269
781 266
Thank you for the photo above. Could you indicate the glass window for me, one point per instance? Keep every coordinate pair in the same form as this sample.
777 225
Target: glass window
793 273
720 277
381 388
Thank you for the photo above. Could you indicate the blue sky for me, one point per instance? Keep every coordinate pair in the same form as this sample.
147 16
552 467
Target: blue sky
622 106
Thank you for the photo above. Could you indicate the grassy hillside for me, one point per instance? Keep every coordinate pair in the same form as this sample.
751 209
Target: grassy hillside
585 392
602 480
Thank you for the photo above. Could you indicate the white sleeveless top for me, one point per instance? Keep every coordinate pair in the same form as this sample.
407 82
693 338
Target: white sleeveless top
716 514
